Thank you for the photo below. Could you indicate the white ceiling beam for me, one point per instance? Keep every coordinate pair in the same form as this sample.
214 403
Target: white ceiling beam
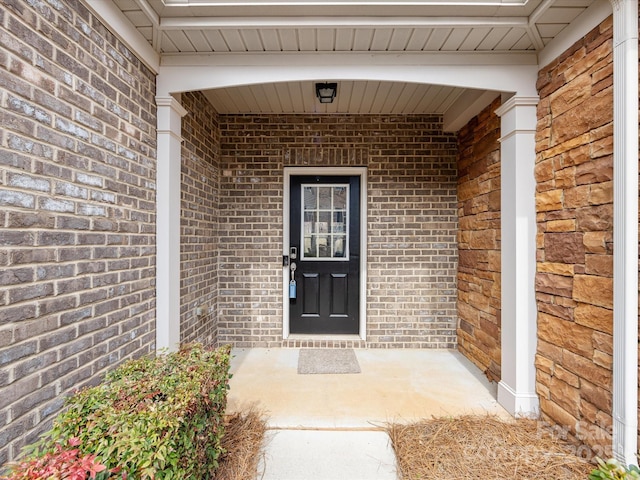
154 18
508 77
540 11
338 3
198 23
148 11
534 36
532 29
350 58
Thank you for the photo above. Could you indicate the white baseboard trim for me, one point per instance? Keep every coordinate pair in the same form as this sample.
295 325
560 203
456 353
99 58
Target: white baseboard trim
523 404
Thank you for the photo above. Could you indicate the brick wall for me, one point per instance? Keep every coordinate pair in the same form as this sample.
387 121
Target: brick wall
574 258
412 221
199 217
479 241
77 203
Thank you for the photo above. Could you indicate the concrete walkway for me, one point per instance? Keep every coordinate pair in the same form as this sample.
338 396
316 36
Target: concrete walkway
326 427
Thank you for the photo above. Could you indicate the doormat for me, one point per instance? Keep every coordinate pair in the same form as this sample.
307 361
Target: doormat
327 361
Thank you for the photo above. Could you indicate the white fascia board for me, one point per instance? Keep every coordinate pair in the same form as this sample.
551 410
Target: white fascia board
118 24
327 3
298 22
348 58
583 24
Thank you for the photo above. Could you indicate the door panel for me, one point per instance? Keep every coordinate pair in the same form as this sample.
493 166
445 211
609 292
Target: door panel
310 294
339 294
325 230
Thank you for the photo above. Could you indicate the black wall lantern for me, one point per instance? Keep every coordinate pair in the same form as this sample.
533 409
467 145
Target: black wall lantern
326 92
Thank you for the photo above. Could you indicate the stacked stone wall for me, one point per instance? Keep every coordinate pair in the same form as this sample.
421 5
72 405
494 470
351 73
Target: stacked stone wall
574 203
199 221
77 210
479 241
412 221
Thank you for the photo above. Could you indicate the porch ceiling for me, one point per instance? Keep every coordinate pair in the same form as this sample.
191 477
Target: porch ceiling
200 28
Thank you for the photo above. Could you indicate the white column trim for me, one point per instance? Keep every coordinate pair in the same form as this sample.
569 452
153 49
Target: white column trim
625 230
517 387
170 114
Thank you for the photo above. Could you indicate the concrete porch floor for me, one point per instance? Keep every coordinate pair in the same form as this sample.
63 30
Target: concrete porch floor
394 385
330 427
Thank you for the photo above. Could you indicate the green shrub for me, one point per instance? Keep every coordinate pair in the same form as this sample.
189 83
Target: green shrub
614 470
153 418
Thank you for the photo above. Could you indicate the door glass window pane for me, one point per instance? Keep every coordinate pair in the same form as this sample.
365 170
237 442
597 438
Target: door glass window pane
324 197
324 246
324 224
339 246
310 221
325 218
340 198
310 198
338 225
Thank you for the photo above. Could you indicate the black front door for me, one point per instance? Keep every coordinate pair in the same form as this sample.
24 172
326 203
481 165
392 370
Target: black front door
325 236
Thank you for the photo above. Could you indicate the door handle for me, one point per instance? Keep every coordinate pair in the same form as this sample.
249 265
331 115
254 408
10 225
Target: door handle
292 284
293 267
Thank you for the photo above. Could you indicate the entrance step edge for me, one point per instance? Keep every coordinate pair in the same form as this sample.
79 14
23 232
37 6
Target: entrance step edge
324 341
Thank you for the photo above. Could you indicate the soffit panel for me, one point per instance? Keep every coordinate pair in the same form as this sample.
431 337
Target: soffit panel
487 31
186 27
352 40
364 97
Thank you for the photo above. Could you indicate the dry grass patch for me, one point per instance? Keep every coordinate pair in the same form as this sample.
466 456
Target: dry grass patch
472 447
243 437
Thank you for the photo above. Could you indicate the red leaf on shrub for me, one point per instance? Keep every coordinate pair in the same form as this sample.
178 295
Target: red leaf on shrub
59 464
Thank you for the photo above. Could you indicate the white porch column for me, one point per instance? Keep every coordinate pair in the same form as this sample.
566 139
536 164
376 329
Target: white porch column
517 388
170 114
625 229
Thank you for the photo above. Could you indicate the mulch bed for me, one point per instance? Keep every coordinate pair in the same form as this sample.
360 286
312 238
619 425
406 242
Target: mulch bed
244 434
473 447
456 448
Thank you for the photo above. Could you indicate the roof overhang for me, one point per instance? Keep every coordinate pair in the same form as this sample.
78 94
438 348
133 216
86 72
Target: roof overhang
445 57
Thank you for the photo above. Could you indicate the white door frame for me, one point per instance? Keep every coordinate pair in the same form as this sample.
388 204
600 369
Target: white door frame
342 171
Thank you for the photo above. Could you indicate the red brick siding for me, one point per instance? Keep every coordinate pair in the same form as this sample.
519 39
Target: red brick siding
574 258
412 221
479 241
77 210
199 220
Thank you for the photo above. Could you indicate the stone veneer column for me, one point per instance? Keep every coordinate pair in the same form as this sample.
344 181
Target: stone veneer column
516 390
170 114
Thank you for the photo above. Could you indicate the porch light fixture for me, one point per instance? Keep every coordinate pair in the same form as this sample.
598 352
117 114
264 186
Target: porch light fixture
326 92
